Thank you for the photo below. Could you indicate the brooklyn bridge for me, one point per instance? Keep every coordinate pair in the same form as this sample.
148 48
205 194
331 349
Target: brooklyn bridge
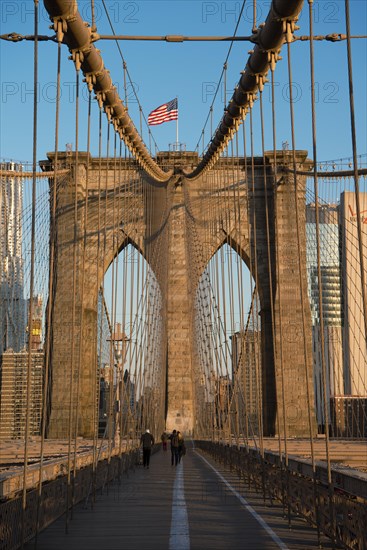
214 288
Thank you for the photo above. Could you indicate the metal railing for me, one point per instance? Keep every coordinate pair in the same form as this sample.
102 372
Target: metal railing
344 520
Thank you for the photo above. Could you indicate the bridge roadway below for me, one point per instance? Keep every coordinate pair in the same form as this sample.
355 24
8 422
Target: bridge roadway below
198 504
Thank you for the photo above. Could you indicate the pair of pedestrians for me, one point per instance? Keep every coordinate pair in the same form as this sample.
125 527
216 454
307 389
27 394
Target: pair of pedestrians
178 448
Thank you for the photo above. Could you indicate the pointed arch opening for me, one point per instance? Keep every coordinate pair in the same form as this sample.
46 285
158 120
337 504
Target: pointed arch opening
228 348
131 360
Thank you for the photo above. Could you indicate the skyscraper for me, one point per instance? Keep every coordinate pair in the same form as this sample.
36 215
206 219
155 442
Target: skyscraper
246 379
355 363
12 303
331 302
14 406
343 315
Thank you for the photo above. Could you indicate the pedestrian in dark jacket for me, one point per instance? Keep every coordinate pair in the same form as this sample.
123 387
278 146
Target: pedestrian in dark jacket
147 440
174 448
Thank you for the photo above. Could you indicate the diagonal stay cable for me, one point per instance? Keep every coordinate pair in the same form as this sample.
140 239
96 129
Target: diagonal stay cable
127 70
283 15
222 73
70 27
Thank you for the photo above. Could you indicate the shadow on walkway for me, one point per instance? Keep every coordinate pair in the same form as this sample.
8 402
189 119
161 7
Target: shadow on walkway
188 506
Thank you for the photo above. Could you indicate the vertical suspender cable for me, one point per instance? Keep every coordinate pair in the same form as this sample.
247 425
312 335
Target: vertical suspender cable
116 197
216 315
50 287
225 66
302 295
224 394
246 424
319 274
254 273
240 282
232 301
111 408
225 403
99 329
270 265
31 284
104 195
93 26
355 167
254 24
140 329
76 239
280 307
105 257
211 120
70 485
130 251
123 309
123 341
141 121
125 85
302 291
255 310
95 370
82 286
237 250
245 430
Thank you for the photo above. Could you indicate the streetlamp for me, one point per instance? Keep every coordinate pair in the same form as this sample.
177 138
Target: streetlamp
118 340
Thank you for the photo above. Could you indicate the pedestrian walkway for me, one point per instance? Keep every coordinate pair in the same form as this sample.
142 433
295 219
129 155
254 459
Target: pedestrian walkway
196 505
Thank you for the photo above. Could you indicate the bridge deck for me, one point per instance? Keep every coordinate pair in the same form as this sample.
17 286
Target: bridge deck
344 453
196 505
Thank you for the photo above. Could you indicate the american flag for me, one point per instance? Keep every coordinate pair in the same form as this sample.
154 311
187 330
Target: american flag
164 113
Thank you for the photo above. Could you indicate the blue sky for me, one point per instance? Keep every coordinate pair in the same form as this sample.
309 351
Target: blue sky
161 71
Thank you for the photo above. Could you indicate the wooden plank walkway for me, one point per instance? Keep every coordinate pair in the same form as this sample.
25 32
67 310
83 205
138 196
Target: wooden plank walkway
192 506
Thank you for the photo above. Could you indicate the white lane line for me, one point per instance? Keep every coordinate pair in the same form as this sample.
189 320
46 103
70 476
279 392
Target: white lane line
179 538
248 507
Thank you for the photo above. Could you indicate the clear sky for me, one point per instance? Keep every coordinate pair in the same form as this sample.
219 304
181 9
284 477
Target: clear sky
161 71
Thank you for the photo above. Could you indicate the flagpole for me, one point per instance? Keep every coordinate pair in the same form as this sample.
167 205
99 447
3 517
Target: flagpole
177 126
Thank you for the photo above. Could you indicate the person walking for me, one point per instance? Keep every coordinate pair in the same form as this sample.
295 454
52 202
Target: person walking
181 446
164 438
174 448
147 440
